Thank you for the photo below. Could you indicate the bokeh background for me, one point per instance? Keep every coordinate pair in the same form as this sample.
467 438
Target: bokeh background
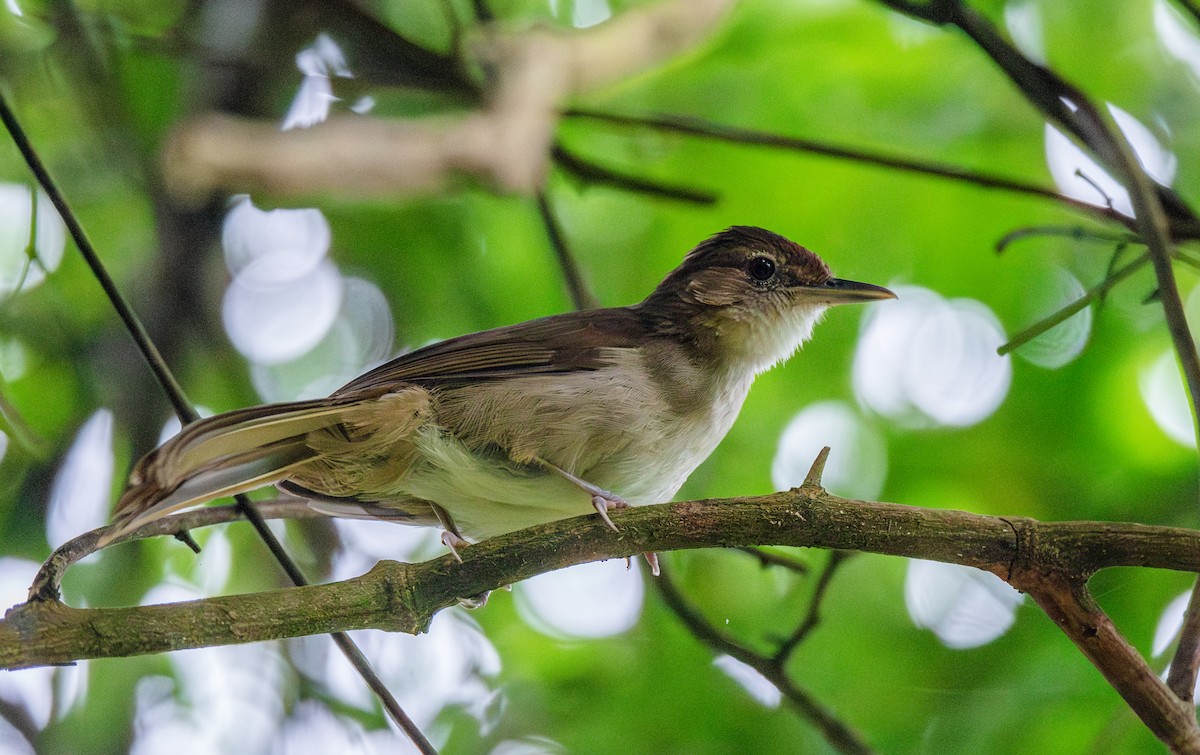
264 298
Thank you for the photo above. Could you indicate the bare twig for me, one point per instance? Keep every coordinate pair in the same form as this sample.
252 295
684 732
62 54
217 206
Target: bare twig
581 295
737 135
1062 315
769 558
837 733
591 172
1071 232
813 617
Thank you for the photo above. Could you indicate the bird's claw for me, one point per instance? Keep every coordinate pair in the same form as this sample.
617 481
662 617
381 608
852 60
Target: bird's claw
453 541
604 503
652 561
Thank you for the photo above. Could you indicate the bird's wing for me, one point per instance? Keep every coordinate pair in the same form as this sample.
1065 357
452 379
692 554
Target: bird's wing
559 343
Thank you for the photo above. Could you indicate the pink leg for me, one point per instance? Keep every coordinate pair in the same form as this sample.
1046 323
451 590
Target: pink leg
602 500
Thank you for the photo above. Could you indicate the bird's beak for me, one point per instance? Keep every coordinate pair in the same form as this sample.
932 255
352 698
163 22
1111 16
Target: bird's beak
839 291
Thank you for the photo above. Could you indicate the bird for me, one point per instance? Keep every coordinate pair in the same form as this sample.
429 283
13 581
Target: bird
496 431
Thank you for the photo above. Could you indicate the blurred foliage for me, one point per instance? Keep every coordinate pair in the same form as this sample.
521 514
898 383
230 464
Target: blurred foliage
99 85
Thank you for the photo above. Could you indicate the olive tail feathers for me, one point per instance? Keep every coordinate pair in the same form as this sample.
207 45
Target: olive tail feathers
220 456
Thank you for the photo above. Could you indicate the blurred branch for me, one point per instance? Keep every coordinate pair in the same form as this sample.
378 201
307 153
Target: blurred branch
1096 292
767 558
813 617
581 296
507 143
737 135
1071 232
1031 555
839 736
593 173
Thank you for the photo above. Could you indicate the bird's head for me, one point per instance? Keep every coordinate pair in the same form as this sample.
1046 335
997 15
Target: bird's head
752 296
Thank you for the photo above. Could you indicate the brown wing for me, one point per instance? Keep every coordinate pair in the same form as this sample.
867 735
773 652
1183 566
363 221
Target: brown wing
559 343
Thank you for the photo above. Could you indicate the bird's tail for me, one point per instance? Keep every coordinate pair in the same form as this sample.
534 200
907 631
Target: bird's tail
222 455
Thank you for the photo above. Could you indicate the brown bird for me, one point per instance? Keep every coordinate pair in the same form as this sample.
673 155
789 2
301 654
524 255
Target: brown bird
496 431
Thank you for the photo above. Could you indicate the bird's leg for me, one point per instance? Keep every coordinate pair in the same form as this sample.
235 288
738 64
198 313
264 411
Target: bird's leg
451 538
602 500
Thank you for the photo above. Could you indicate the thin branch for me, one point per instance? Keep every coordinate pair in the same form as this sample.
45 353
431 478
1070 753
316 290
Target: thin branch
838 734
737 135
813 617
187 413
767 558
47 582
1062 315
581 295
136 330
1071 232
594 173
1181 677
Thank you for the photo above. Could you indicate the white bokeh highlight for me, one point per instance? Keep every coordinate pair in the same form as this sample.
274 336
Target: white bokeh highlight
1177 35
273 246
43 693
1063 343
453 664
360 336
305 328
81 492
926 361
758 686
270 324
1080 177
857 464
599 599
17 271
1027 28
1169 624
313 729
1161 387
318 62
964 607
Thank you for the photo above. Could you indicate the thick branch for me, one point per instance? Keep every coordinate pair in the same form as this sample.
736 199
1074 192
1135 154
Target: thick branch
404 597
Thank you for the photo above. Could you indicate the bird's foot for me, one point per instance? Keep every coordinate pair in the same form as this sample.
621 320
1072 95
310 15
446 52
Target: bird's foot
454 541
603 501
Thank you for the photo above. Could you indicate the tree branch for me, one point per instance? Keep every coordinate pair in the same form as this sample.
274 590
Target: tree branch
404 597
839 735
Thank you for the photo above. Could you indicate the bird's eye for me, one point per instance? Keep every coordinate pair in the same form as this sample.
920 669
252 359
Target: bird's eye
761 269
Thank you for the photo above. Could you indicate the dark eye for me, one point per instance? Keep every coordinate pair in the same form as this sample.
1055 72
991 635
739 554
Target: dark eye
761 269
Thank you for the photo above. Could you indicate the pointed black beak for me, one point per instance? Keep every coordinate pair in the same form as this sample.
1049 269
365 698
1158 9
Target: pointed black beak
840 291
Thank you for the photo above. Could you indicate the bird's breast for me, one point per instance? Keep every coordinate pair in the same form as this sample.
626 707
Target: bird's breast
637 426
